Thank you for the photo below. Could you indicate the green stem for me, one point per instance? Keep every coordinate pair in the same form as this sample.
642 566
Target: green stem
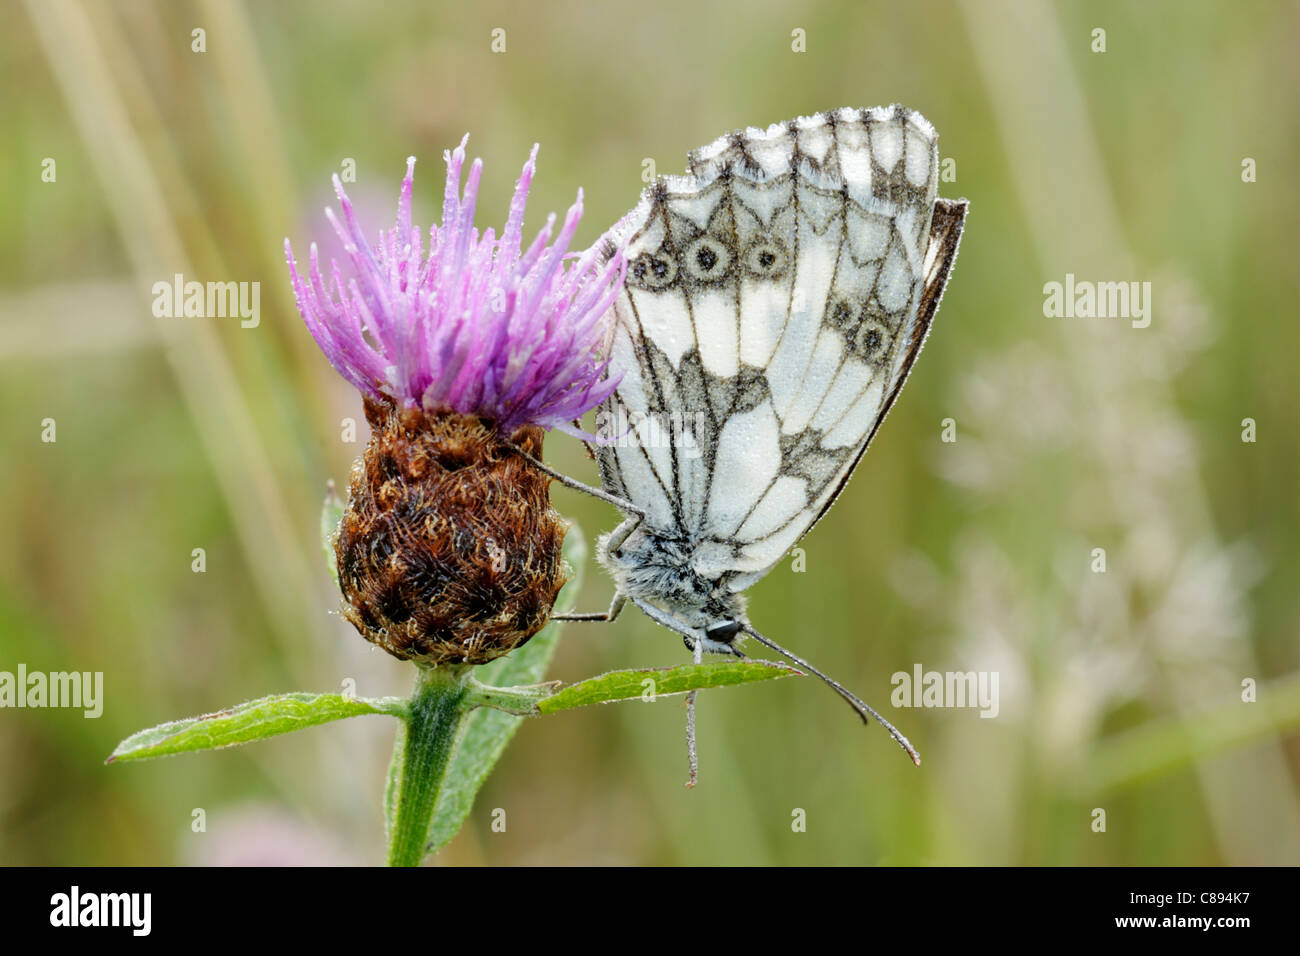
435 714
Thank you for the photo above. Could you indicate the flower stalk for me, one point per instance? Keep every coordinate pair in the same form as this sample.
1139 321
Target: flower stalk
425 742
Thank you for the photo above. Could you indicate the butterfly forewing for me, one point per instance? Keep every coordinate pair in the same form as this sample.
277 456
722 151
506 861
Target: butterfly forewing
777 297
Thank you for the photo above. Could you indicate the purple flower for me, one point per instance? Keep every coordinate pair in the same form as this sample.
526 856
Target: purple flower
477 325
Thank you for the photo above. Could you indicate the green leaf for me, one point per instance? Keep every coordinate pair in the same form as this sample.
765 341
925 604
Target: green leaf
393 784
653 682
331 515
255 720
484 732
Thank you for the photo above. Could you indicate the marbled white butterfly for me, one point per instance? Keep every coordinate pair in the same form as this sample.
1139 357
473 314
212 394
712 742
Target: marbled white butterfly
776 300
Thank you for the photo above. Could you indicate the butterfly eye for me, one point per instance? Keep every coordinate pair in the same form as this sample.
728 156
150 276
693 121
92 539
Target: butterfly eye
766 259
723 633
652 270
707 259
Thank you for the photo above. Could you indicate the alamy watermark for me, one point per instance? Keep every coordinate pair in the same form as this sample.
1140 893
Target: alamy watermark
75 689
923 688
75 908
677 429
1075 299
211 300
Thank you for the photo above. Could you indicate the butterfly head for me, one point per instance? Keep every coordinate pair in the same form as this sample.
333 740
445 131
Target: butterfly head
720 638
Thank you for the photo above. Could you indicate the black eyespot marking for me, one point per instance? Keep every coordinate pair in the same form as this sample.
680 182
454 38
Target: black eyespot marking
871 342
843 315
863 327
766 259
707 259
652 270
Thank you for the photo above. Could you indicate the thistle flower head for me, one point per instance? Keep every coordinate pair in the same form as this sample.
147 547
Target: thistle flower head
476 324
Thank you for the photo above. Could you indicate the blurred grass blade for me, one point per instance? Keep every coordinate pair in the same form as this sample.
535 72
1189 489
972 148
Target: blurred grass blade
211 388
652 682
331 515
485 733
255 720
1166 745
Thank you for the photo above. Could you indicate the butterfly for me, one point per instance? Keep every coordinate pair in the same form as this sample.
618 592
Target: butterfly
777 297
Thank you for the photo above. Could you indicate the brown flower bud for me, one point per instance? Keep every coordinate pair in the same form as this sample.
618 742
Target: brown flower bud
449 551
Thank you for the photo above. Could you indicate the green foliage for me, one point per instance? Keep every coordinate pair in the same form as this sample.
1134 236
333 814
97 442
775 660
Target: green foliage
254 720
652 682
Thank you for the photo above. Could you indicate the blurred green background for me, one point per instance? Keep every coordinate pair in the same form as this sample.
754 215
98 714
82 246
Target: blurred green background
1119 690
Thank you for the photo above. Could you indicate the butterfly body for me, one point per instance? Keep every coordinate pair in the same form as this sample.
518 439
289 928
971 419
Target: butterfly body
655 570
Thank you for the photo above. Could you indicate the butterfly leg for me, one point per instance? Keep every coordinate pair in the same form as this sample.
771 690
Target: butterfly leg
616 538
615 608
576 485
619 535
692 755
697 643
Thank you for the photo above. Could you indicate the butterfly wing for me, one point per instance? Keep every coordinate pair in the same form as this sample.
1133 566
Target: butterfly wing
777 297
945 237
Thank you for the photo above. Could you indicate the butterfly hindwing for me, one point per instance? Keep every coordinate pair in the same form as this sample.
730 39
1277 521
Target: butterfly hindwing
776 299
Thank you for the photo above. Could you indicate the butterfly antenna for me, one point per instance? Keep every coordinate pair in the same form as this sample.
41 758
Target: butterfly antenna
862 709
